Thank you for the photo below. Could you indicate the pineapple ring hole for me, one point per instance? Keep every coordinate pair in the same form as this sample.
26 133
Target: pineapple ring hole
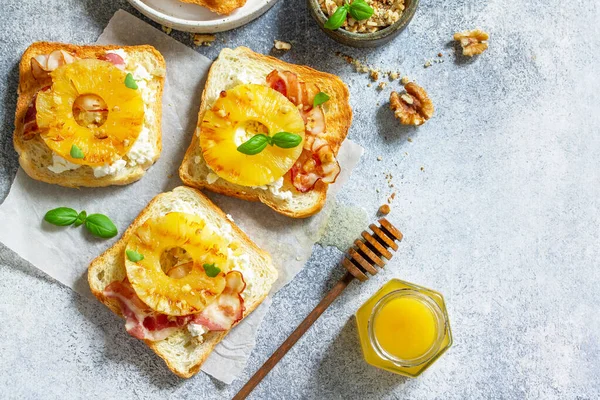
90 111
247 129
176 262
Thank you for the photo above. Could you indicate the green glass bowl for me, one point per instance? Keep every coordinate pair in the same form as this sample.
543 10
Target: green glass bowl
374 39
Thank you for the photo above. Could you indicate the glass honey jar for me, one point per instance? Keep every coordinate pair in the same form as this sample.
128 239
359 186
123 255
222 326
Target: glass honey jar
403 328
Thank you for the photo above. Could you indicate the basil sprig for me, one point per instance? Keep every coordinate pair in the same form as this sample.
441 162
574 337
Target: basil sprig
76 152
134 256
258 143
97 224
358 9
320 98
211 270
130 82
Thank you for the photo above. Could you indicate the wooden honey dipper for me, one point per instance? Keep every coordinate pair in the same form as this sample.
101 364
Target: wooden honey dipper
367 253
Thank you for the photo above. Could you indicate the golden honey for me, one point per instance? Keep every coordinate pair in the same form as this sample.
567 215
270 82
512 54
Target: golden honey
403 328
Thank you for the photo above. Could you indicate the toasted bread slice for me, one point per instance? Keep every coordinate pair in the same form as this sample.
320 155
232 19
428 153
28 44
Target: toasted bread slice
223 7
242 65
35 156
183 354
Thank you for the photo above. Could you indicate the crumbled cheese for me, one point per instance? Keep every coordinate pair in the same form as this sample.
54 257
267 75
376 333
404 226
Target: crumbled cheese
211 178
112 169
275 189
281 45
60 165
196 329
142 152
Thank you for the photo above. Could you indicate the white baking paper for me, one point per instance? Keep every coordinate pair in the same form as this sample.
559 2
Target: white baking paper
65 252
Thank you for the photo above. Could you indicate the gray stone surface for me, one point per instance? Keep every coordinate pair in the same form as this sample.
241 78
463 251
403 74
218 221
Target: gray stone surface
503 219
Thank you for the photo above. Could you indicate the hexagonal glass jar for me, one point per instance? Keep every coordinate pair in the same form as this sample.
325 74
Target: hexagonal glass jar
376 355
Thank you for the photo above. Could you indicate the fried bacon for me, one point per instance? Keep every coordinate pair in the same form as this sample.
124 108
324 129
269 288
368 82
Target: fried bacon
43 64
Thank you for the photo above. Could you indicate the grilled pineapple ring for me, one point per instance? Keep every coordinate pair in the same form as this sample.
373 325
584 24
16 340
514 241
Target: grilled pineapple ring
191 293
100 144
235 117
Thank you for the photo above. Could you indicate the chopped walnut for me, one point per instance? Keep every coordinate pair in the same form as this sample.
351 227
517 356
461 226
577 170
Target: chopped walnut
166 29
201 39
472 42
413 107
384 209
281 45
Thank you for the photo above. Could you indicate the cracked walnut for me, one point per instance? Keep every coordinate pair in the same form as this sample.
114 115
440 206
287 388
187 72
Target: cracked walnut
412 107
472 42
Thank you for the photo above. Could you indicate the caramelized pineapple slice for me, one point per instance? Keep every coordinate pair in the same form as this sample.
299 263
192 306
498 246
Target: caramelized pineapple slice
171 278
107 127
237 115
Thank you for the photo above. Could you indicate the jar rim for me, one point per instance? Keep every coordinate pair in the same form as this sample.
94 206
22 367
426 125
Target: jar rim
439 318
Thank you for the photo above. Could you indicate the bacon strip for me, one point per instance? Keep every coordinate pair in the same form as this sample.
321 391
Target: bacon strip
115 59
317 161
43 64
227 309
144 323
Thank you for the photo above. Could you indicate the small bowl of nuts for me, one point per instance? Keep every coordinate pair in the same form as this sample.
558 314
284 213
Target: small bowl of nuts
362 23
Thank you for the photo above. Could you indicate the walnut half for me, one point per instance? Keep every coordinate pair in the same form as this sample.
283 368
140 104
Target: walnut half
412 107
472 42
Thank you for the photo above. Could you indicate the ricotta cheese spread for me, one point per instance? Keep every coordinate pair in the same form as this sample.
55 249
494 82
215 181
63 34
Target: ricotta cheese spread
196 329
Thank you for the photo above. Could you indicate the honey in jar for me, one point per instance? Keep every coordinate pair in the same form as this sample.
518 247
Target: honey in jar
403 328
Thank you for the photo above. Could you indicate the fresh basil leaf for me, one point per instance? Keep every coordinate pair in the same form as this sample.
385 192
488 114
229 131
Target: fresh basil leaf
134 256
337 18
320 98
101 226
130 82
360 10
211 270
61 216
286 140
76 152
80 218
254 145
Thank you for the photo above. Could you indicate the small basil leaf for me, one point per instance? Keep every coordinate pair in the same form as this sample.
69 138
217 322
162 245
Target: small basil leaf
254 145
134 256
211 270
320 98
76 152
80 218
286 140
61 216
360 10
337 18
101 226
130 82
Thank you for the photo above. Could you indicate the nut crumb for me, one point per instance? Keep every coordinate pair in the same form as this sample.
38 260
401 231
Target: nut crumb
413 107
409 139
166 29
384 209
201 39
381 85
281 45
374 74
379 158
422 168
440 55
394 75
427 64
405 80
472 42
369 85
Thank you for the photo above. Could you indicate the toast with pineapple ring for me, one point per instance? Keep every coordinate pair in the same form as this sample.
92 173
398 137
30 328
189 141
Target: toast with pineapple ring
298 192
65 92
190 321
223 7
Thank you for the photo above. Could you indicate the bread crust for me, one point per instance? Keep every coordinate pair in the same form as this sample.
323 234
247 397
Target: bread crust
338 116
29 86
222 7
102 262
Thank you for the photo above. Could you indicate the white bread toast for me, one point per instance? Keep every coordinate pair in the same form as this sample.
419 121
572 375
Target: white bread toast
183 354
223 7
35 156
242 65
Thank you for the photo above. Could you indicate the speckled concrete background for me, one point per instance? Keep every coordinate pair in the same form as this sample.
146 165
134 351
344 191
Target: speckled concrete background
503 219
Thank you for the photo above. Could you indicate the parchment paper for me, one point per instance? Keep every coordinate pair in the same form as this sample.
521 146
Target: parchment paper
65 252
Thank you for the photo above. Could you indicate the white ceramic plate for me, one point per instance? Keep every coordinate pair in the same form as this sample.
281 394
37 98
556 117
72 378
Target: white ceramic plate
193 18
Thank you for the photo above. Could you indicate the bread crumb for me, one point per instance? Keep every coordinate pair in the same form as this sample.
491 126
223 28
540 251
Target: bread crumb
281 45
384 209
201 39
409 139
427 64
379 158
368 85
166 29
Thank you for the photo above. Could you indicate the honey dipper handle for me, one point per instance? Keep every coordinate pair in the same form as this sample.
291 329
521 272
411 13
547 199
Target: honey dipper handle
293 338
